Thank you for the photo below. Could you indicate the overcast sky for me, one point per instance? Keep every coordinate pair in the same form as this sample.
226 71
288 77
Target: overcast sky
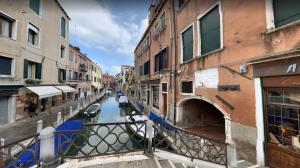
107 30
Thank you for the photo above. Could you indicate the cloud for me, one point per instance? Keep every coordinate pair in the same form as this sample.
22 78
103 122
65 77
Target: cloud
95 26
115 69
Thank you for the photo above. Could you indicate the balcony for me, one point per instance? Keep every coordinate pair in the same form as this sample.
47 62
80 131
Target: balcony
78 79
83 68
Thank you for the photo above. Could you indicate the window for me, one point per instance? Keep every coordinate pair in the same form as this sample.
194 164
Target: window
70 74
155 96
6 65
144 93
179 4
156 30
35 6
62 51
147 68
95 79
286 11
63 27
61 75
71 56
187 87
76 58
31 67
210 33
141 70
33 35
161 60
162 21
32 70
6 26
283 115
187 44
164 87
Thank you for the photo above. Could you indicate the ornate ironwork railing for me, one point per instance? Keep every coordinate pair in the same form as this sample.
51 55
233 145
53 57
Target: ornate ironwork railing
102 139
22 153
187 144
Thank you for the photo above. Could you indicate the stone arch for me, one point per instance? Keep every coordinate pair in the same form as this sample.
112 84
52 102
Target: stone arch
190 113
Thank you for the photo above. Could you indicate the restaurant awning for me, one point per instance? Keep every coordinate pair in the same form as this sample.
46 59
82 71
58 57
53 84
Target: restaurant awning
45 91
65 89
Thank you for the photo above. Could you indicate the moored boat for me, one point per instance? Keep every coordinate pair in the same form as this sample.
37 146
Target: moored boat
138 129
123 101
92 111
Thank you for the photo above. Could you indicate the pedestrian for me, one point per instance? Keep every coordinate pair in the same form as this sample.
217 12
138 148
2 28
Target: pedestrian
76 97
32 109
85 95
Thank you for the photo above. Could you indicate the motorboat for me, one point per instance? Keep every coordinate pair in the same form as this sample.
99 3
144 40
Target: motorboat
120 93
92 111
138 129
123 101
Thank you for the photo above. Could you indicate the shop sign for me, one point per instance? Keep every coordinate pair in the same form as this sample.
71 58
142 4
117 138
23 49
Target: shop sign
277 68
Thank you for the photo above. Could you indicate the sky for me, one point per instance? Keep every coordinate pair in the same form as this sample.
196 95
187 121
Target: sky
107 30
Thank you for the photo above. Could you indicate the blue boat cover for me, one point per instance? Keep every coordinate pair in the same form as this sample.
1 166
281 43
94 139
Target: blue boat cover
26 158
160 120
140 105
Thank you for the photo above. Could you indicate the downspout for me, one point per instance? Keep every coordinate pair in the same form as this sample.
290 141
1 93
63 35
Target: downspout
174 72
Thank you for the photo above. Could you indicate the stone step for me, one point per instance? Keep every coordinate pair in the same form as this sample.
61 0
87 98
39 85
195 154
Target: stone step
178 165
165 164
246 164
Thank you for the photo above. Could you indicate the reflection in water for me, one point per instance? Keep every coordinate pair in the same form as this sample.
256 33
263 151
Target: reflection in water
107 138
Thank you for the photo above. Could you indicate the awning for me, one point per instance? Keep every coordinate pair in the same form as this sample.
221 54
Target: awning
65 89
45 91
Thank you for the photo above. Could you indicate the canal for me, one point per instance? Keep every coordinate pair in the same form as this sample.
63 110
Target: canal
106 135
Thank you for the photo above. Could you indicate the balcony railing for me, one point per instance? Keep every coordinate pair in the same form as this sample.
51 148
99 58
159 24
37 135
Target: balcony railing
78 79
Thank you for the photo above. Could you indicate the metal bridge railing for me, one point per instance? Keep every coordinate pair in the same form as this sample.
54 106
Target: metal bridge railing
181 142
102 139
112 138
22 153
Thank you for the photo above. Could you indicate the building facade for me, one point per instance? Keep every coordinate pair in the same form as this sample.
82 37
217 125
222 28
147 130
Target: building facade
79 72
34 47
228 73
109 81
96 78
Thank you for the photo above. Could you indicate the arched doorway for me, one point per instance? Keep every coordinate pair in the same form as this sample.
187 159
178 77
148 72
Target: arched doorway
202 117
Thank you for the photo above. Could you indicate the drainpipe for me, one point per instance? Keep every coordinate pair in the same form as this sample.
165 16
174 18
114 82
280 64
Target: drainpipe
174 72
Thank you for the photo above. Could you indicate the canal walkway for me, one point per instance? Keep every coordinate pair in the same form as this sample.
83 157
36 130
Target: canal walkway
24 128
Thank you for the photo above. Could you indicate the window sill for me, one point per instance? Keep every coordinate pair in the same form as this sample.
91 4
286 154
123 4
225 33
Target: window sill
34 46
8 38
212 52
274 30
186 62
187 94
7 76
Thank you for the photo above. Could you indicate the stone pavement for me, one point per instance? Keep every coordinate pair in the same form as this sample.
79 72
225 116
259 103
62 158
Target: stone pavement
27 127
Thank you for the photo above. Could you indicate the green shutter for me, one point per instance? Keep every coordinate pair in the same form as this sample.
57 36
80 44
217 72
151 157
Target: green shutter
156 63
187 44
286 11
38 71
63 27
210 31
35 6
25 68
64 74
167 59
161 61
